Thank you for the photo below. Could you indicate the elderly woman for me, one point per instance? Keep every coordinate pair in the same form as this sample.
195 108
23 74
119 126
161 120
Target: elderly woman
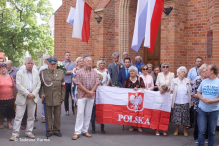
155 74
147 78
138 62
103 72
165 77
79 64
7 94
195 99
134 82
181 102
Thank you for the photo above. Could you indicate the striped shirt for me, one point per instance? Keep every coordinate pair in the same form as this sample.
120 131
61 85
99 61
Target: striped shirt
86 78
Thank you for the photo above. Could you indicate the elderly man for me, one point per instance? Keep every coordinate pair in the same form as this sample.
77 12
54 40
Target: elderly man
45 66
52 91
208 93
125 55
12 71
114 68
69 66
28 85
87 83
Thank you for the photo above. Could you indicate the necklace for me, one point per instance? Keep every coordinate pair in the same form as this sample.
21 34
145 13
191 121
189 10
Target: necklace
133 81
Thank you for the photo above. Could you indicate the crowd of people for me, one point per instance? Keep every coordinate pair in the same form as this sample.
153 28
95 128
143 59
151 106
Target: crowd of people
194 101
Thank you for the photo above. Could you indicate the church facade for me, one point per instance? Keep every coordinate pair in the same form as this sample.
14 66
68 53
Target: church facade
190 30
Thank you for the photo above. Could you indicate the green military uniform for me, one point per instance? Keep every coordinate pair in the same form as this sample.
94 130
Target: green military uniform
53 89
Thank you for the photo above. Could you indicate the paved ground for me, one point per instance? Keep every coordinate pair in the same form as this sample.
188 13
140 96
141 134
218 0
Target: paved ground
114 136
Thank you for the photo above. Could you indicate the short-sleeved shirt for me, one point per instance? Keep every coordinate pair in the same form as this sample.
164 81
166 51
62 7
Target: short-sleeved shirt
6 87
193 74
69 67
210 90
86 78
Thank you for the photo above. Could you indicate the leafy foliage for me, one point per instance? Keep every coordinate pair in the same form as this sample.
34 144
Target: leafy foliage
20 31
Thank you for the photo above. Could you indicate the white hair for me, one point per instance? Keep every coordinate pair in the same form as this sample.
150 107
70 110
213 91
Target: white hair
28 59
99 61
124 53
46 57
138 57
76 61
201 68
165 63
115 54
149 64
181 68
133 68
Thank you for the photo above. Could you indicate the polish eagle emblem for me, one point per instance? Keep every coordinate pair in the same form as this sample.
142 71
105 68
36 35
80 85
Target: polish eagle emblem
135 101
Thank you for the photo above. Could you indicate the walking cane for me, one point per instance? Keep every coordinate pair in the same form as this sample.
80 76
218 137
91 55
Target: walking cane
45 118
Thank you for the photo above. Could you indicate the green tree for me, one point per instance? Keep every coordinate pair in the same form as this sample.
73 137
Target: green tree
20 30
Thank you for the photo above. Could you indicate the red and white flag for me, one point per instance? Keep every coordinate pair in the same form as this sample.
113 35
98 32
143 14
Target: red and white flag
124 106
81 24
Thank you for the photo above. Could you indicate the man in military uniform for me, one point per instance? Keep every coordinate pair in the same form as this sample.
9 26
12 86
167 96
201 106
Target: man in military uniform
53 92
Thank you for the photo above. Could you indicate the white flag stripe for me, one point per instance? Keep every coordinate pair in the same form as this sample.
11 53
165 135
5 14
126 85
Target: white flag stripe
71 16
147 39
119 96
141 6
78 19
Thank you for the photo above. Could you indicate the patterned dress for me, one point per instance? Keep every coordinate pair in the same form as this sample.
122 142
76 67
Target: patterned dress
194 91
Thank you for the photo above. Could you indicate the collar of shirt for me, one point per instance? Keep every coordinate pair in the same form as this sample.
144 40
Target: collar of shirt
28 71
86 69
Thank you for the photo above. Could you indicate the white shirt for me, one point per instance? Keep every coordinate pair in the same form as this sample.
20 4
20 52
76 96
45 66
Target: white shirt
182 96
161 80
30 81
105 75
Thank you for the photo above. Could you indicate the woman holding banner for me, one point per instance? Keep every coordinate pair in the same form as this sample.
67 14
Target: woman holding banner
164 78
181 102
134 82
148 80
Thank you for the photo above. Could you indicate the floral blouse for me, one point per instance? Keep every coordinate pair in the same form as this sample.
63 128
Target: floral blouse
194 91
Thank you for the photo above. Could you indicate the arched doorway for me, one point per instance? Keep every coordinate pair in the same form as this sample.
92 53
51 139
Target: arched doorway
127 12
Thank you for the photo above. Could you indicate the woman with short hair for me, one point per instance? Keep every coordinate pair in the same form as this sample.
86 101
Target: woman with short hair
138 62
134 82
79 64
105 81
181 100
195 99
164 78
147 78
7 94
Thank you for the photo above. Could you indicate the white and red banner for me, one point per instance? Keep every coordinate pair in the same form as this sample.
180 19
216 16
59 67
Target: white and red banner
141 108
81 24
147 22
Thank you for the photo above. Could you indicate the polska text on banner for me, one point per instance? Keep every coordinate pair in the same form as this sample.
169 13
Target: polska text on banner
141 108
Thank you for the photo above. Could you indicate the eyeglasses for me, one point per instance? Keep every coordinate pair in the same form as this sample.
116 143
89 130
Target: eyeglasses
165 66
145 69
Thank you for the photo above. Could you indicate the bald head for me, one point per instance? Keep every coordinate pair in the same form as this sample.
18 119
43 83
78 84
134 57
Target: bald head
9 65
88 62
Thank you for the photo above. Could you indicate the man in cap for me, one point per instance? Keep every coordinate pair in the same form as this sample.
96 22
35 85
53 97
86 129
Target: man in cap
52 91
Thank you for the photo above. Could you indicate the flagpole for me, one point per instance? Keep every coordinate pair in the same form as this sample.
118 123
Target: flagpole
98 19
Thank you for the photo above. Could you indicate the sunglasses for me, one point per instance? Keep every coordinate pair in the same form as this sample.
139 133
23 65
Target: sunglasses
3 64
145 69
165 66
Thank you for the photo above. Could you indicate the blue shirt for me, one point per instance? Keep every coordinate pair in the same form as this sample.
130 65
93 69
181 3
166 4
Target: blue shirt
193 74
138 65
69 67
210 90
